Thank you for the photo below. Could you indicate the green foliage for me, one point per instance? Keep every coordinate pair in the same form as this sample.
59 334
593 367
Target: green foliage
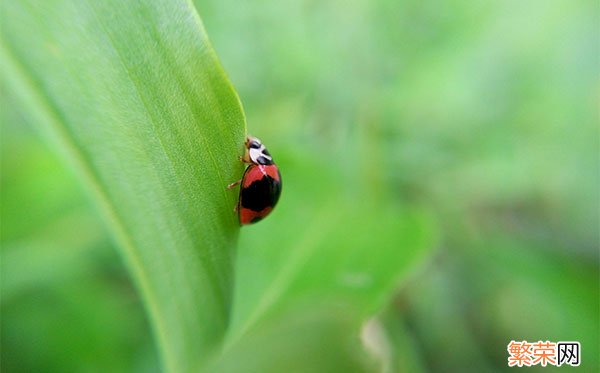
135 98
399 127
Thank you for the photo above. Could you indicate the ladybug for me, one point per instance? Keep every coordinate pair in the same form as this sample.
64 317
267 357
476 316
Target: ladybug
261 184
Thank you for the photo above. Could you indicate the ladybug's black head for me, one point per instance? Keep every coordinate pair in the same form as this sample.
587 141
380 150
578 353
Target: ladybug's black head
256 152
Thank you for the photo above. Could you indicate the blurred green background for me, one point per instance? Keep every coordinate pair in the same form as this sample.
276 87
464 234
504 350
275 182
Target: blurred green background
482 116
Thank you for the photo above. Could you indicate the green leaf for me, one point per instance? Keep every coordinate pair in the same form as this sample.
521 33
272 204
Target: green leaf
133 96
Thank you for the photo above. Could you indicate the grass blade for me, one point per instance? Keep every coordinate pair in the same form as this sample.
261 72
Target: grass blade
134 97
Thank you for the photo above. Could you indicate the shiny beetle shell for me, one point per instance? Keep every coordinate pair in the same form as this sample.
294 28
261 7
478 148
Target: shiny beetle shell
261 184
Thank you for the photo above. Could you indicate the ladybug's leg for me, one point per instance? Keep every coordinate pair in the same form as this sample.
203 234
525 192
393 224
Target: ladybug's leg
243 160
236 208
234 184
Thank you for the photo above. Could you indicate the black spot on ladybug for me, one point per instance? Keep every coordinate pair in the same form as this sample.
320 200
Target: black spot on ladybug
260 194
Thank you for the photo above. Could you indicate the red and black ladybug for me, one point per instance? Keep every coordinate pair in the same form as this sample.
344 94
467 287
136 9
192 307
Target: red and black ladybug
261 183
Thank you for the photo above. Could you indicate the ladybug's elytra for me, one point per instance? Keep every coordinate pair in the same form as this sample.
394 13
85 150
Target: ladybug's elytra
261 184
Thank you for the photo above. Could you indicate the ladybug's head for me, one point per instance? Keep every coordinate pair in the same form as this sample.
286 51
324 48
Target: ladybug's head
256 152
